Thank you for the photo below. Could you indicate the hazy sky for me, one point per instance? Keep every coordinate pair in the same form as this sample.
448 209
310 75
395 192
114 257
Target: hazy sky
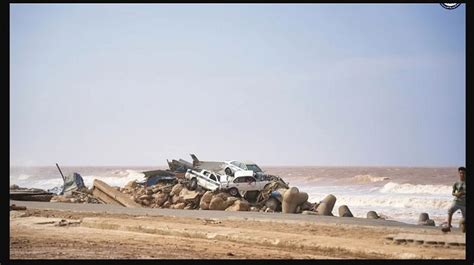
309 84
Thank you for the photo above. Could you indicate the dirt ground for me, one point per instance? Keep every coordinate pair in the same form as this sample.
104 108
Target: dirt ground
35 234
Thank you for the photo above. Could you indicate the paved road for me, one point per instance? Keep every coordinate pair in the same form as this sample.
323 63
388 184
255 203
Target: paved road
276 217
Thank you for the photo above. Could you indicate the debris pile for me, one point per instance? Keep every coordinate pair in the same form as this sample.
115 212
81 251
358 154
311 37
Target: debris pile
78 196
201 185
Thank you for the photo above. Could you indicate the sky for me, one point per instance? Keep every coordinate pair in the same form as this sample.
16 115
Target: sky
303 84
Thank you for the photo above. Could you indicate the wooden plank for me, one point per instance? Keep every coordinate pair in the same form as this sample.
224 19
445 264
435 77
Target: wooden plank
114 194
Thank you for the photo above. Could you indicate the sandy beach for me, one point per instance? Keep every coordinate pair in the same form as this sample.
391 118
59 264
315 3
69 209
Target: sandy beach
72 231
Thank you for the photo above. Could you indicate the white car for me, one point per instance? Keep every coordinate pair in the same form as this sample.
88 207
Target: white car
204 178
243 182
232 166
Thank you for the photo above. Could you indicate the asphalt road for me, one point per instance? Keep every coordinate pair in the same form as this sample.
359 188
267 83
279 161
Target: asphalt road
208 214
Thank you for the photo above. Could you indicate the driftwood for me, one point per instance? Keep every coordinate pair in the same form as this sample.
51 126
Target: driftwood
110 195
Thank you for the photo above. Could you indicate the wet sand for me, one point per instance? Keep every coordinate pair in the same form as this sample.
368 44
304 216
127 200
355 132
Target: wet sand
105 232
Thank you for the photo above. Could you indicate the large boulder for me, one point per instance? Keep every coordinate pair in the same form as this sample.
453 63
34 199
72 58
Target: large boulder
217 203
176 189
189 196
180 205
176 199
239 206
160 198
292 198
206 200
230 201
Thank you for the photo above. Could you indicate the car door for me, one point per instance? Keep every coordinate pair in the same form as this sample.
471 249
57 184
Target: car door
213 184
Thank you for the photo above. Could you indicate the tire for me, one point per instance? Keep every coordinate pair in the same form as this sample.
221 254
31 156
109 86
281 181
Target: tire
229 172
234 192
193 184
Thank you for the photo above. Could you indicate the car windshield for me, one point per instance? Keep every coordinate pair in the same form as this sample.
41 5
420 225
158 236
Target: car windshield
254 168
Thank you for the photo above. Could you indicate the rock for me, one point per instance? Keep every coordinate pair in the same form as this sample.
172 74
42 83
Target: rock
167 204
180 205
326 205
176 189
176 199
160 198
205 200
149 191
217 203
344 211
309 213
222 195
292 198
372 215
230 201
254 209
238 206
145 197
188 207
14 187
131 185
188 195
146 202
273 204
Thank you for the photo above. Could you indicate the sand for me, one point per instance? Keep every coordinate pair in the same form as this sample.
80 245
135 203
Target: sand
89 234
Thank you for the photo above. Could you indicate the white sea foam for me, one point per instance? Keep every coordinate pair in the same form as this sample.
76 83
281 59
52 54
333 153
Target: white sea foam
368 179
125 177
119 180
24 177
406 188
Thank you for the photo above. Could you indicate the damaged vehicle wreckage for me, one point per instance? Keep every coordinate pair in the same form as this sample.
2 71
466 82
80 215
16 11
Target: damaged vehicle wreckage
228 185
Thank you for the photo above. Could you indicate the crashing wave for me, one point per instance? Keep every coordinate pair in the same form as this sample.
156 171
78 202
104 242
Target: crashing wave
368 179
406 188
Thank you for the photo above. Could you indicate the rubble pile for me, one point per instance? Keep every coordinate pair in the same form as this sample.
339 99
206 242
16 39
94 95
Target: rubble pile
178 196
78 196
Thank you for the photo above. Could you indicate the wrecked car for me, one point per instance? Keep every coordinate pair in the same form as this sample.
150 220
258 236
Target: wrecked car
232 166
243 182
204 178
154 177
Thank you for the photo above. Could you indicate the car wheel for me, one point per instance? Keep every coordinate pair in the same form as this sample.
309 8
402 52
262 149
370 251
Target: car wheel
234 192
228 171
193 184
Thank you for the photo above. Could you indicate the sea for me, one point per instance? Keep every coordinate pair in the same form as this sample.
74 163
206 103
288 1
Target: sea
396 193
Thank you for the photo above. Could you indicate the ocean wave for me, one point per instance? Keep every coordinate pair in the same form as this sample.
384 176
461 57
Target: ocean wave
24 177
368 179
119 180
406 188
